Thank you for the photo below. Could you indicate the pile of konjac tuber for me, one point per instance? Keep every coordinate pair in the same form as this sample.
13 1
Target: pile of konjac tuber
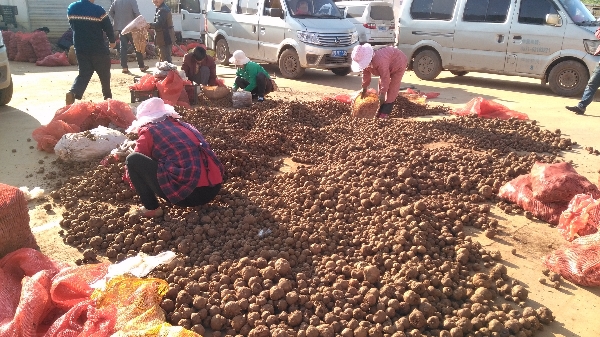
365 238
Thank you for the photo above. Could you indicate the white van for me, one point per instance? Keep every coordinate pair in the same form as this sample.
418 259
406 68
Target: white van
6 84
188 16
374 20
274 31
552 40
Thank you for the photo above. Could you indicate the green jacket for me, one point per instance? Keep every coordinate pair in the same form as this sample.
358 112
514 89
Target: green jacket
249 72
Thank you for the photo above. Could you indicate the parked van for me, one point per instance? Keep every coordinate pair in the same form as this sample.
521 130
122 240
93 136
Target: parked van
374 20
6 84
552 40
289 33
188 16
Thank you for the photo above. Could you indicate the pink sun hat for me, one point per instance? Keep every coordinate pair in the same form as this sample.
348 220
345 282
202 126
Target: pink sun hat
361 57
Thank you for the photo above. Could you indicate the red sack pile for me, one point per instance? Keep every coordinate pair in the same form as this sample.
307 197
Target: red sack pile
578 262
175 51
7 35
146 83
13 47
57 59
488 109
559 183
25 52
15 232
41 45
79 117
193 45
171 89
582 217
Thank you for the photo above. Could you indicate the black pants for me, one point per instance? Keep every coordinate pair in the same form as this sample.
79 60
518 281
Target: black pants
263 84
124 46
142 172
386 108
88 64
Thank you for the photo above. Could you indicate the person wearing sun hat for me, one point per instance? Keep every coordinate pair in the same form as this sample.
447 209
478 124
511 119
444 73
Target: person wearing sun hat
251 76
389 63
171 160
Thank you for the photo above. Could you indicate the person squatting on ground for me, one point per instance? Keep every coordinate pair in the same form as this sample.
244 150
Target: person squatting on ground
251 76
89 23
122 12
164 32
591 88
389 64
171 160
199 67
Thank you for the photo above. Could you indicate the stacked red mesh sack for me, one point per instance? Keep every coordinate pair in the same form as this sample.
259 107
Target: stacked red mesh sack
15 232
29 47
171 89
547 190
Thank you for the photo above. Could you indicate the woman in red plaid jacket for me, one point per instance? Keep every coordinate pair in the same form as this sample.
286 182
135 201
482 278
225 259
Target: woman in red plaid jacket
171 160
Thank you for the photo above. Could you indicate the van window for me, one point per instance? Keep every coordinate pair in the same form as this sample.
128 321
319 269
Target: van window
382 13
192 6
535 11
222 5
486 10
355 11
247 7
432 9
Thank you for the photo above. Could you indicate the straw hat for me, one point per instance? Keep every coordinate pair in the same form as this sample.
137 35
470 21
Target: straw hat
239 58
152 110
361 57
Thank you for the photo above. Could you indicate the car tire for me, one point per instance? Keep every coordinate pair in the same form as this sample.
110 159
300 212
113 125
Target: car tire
458 72
568 78
427 64
289 64
341 71
6 94
222 52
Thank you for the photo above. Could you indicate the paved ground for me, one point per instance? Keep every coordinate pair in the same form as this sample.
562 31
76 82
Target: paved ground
39 92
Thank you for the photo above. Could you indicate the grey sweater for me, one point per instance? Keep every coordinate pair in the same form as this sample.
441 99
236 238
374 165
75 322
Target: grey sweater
122 12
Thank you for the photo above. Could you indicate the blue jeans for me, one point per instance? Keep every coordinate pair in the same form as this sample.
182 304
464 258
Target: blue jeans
123 46
590 89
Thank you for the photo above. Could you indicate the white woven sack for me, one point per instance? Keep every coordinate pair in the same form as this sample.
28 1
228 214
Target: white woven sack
79 147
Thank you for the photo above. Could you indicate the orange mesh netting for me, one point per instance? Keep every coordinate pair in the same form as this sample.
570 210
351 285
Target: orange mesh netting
15 232
581 218
559 182
488 109
579 261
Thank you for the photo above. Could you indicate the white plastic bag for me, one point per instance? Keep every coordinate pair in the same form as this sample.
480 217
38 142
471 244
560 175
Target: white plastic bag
88 145
241 99
137 24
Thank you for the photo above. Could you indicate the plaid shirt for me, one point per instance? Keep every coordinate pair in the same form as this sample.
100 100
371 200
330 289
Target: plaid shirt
180 158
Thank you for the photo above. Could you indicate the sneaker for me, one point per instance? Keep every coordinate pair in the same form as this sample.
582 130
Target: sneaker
125 71
577 110
144 68
260 99
70 98
148 213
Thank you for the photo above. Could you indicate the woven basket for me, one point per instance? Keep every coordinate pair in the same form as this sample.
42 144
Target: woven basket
365 107
214 92
14 221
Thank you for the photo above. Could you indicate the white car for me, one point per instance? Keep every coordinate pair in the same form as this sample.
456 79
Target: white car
374 20
6 85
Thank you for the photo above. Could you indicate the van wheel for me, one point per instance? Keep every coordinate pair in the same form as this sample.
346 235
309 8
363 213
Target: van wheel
341 71
568 78
6 94
222 52
289 64
427 64
458 72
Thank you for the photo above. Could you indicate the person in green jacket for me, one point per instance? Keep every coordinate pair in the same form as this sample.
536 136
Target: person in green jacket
251 76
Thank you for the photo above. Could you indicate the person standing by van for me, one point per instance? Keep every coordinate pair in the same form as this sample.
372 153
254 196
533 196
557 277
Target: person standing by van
199 67
251 76
591 88
389 63
164 32
122 12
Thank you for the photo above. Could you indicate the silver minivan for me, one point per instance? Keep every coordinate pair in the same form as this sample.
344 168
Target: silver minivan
6 84
374 20
276 31
552 40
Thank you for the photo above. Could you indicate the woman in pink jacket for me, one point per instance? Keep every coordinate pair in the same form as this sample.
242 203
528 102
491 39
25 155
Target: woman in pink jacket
389 64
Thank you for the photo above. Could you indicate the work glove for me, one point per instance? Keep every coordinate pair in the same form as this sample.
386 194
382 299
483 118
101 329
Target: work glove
363 93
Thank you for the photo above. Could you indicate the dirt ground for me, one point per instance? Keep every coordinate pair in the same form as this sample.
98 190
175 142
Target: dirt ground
40 91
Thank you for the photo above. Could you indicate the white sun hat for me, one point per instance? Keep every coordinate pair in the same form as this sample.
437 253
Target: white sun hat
239 58
361 57
152 110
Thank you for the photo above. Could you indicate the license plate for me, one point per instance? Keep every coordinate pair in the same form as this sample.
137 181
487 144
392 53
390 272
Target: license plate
339 53
383 28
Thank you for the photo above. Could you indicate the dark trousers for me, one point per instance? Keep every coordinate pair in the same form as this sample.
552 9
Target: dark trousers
164 53
386 108
124 46
263 84
142 172
202 76
88 64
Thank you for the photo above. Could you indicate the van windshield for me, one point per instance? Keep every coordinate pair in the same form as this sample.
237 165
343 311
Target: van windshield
578 12
314 9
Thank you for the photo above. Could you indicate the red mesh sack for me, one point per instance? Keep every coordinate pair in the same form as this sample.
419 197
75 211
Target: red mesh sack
72 285
47 136
559 182
13 47
25 52
7 35
178 51
582 217
488 109
15 232
41 45
83 320
146 83
119 113
579 261
193 45
57 59
170 89
518 191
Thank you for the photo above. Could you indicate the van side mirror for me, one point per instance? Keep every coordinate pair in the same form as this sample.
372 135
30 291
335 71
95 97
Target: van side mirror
553 20
275 12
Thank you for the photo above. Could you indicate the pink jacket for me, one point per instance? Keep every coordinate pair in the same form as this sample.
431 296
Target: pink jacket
386 61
